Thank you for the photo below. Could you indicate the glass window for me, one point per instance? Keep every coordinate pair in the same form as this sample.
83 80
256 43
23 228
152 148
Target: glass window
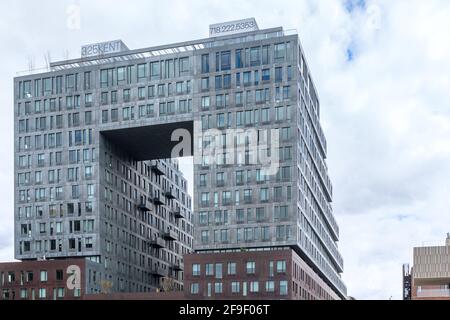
225 61
184 65
254 286
154 71
278 74
250 267
205 63
235 287
218 287
42 293
205 83
239 62
279 52
43 274
196 269
194 288
283 288
255 56
270 286
209 269
281 266
142 71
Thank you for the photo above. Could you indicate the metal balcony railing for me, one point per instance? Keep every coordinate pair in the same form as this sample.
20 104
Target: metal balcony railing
157 243
170 235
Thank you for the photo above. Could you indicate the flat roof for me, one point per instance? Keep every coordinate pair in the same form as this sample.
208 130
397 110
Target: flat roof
155 51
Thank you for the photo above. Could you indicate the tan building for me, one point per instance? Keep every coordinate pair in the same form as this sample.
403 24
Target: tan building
431 272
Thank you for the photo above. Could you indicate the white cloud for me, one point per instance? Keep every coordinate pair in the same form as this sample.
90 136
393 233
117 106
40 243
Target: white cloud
385 113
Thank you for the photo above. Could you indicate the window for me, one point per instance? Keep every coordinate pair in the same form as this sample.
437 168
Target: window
218 271
227 81
43 276
184 65
265 54
114 115
60 293
154 71
42 293
239 62
218 82
196 269
23 294
194 288
141 71
281 266
225 63
235 287
254 286
286 93
279 52
278 74
218 287
209 269
238 99
205 84
270 286
205 236
250 267
264 194
266 75
247 78
126 95
120 74
205 103
283 288
255 56
205 63
59 275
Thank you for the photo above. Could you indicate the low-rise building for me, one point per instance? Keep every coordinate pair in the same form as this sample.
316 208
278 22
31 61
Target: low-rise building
431 272
63 279
275 273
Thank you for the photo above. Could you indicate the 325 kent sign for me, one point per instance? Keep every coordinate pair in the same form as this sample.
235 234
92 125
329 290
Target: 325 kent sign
102 48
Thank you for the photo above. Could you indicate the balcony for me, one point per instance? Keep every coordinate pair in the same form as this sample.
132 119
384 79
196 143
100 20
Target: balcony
143 205
157 200
170 235
158 271
157 243
157 168
177 266
178 214
169 194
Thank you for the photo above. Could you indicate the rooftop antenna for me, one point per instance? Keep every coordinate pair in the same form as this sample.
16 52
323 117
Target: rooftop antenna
47 59
30 63
66 54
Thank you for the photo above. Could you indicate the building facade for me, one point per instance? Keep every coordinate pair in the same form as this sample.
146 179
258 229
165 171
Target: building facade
274 273
64 279
89 131
431 272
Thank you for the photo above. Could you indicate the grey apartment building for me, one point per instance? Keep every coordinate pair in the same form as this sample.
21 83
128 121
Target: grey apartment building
91 136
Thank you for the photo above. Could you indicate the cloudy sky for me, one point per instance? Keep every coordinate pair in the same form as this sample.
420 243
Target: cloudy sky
382 72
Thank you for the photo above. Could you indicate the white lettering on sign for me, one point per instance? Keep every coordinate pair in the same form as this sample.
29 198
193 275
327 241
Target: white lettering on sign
103 48
233 27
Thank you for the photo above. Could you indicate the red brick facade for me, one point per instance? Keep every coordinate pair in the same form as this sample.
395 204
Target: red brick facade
275 274
44 280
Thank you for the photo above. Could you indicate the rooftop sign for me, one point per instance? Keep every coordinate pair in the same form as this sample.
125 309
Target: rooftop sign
102 48
233 27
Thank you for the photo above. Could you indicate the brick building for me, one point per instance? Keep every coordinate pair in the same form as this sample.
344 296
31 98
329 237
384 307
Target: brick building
64 279
278 273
